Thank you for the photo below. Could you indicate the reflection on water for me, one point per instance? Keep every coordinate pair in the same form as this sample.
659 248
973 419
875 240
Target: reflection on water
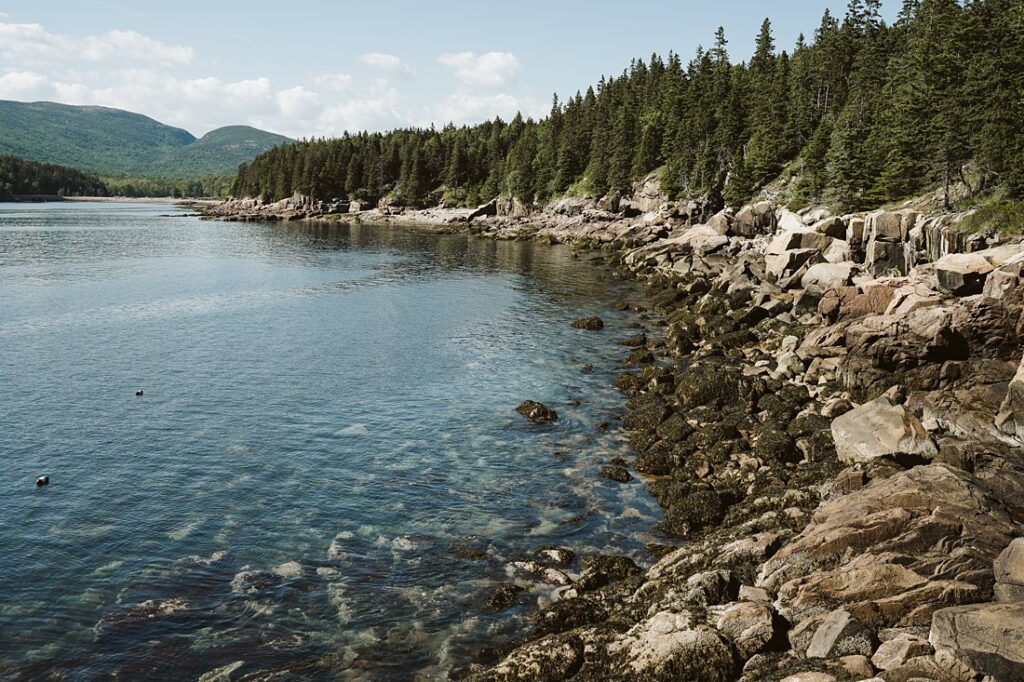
325 474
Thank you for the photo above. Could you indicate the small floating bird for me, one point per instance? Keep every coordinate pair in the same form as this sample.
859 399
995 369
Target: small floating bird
42 480
138 391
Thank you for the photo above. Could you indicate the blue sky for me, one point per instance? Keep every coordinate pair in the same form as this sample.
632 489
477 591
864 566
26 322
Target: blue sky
317 68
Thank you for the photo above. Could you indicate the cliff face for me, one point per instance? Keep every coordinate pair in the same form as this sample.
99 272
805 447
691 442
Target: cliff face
829 413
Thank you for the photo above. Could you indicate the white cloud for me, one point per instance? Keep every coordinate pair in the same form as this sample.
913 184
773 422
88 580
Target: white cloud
335 82
23 85
298 102
167 83
4 15
489 70
461 108
384 62
32 44
379 106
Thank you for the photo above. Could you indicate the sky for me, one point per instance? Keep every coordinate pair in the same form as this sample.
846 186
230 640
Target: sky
308 69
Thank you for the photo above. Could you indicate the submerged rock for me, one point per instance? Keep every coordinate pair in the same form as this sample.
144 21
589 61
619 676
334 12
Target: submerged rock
132 616
505 596
536 412
593 323
616 473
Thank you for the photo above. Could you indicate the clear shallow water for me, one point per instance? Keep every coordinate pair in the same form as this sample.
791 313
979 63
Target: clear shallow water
331 406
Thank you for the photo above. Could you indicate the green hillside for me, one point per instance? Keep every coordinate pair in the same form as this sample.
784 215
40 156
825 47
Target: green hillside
104 140
218 151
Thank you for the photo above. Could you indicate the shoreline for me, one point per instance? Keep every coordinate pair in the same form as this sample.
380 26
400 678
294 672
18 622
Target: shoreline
830 388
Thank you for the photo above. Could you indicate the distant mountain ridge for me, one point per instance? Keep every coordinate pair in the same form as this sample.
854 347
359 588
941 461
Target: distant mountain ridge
105 140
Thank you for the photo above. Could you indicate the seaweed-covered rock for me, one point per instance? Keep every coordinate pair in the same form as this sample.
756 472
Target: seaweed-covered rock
697 510
536 412
505 596
616 473
668 647
568 614
599 571
776 446
593 323
553 658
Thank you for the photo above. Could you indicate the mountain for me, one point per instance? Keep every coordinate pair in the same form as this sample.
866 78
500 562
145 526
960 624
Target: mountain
218 151
104 140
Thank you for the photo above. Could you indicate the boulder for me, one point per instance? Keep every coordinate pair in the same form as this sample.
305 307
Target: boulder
858 666
754 219
721 223
897 651
987 637
884 257
703 239
833 227
878 429
789 220
647 194
801 238
894 551
785 265
512 207
668 646
815 215
488 209
840 634
1010 419
536 412
885 226
838 251
1009 572
810 676
821 277
593 323
748 625
616 473
962 274
556 657
855 229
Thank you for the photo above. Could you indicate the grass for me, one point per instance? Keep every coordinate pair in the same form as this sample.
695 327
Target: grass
996 215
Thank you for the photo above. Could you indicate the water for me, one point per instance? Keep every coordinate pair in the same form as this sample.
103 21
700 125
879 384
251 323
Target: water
332 407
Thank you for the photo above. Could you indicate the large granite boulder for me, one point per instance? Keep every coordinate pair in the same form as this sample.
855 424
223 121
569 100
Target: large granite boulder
821 277
962 274
894 551
1009 572
987 637
669 646
749 625
879 429
754 219
1010 419
647 194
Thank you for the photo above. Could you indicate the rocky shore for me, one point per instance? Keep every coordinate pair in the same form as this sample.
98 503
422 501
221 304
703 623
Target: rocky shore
830 410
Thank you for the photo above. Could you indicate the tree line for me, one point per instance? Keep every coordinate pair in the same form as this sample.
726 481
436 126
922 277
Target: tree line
859 114
19 177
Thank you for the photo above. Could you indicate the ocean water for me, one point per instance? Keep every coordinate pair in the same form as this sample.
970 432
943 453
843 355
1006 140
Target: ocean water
327 427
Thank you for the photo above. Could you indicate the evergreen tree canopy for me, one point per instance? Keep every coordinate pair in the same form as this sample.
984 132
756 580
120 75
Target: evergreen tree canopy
864 114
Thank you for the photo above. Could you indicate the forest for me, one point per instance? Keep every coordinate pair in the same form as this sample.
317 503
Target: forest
856 115
20 178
